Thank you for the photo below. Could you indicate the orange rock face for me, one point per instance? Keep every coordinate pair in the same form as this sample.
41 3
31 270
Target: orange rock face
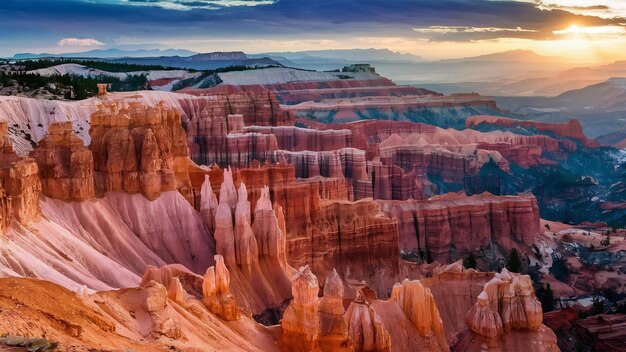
322 228
333 326
353 237
65 164
253 249
507 316
419 306
464 222
137 149
365 327
216 291
19 185
300 323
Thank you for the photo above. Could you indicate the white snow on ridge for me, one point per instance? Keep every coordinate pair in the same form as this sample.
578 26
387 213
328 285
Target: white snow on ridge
277 75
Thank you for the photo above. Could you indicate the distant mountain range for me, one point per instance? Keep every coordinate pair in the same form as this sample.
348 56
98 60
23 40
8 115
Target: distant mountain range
600 108
554 84
109 53
525 56
348 55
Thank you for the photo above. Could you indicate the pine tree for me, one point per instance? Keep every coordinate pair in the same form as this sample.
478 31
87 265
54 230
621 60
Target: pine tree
546 297
514 262
470 262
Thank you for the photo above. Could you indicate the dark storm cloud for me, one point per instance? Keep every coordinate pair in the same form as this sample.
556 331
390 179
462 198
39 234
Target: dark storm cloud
105 20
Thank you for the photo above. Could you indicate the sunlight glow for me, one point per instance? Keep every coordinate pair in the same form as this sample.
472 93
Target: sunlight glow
599 30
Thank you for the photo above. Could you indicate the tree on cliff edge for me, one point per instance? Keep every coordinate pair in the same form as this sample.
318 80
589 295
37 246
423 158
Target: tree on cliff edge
470 262
514 262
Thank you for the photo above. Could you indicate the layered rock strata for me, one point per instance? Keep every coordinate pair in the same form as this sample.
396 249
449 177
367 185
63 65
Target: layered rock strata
572 129
365 327
300 323
216 291
464 223
253 249
20 186
65 164
507 316
139 149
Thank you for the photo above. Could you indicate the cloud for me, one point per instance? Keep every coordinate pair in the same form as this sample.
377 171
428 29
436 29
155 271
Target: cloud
186 5
39 23
79 42
460 29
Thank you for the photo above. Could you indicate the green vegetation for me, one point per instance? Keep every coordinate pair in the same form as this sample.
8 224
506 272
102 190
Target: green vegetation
560 270
71 86
29 65
514 262
470 262
546 297
209 78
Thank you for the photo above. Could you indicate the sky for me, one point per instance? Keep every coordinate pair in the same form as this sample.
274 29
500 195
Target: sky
580 30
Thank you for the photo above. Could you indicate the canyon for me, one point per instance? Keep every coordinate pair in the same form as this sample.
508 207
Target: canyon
265 214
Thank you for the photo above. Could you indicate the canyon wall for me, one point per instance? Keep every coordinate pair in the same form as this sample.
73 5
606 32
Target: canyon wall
448 226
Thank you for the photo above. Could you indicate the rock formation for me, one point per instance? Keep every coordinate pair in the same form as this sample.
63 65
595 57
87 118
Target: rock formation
333 326
465 223
189 282
365 327
353 237
572 129
19 185
139 149
419 306
216 291
254 251
300 323
65 164
395 107
507 305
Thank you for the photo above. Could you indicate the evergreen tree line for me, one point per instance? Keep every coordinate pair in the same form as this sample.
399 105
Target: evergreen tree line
72 86
29 65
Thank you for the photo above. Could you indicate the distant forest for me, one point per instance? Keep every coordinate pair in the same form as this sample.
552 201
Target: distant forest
71 87
29 65
75 87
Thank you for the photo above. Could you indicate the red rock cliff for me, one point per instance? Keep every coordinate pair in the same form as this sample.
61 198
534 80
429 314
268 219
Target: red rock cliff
466 223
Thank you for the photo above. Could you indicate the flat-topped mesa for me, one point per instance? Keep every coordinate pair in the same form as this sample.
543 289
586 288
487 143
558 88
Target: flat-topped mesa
365 327
300 323
295 139
571 129
216 291
259 107
65 164
466 223
139 149
20 186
